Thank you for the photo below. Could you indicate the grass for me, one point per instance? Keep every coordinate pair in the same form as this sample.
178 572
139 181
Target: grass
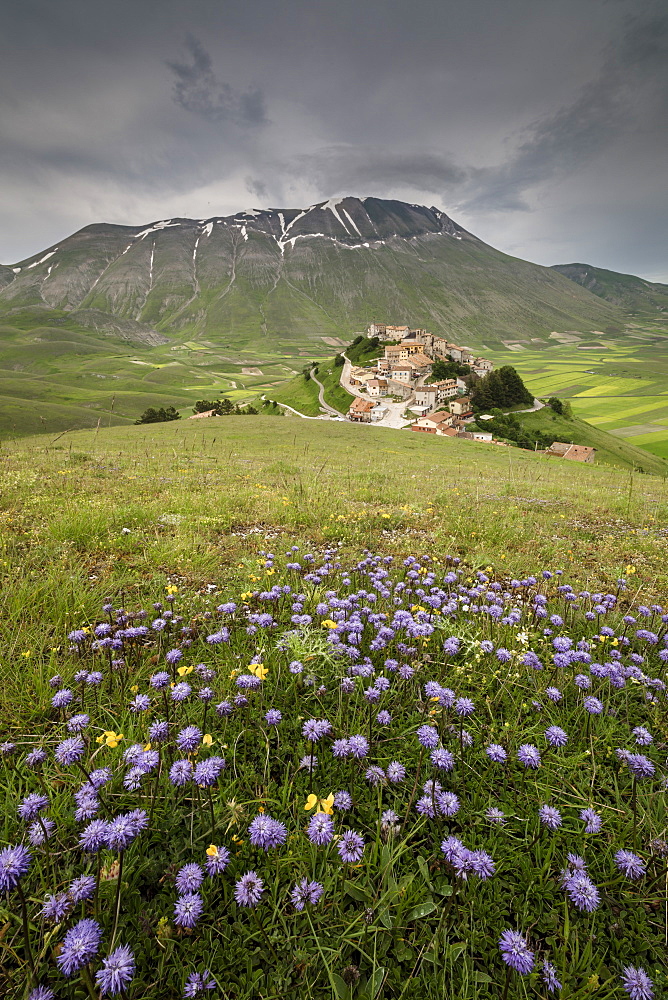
137 514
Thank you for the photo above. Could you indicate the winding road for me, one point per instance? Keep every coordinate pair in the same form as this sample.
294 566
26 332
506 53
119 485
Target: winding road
321 396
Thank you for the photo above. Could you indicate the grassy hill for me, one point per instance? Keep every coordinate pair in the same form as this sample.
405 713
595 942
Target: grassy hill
635 295
609 449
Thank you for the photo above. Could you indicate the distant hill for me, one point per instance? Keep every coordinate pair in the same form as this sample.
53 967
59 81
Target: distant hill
634 295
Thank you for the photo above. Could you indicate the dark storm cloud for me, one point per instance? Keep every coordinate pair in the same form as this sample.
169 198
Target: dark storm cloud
197 89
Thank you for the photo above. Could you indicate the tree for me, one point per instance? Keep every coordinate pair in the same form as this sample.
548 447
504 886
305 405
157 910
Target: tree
204 405
503 388
556 404
339 361
158 416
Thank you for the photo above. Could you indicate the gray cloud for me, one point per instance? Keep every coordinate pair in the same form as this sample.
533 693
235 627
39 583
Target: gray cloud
604 109
197 89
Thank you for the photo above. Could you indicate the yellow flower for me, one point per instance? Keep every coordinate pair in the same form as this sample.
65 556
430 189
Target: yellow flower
212 851
327 805
171 589
328 623
270 572
147 747
27 653
236 840
310 802
184 671
110 738
259 670
134 688
207 740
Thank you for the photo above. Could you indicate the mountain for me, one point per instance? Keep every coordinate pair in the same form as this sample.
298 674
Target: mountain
114 319
634 295
293 275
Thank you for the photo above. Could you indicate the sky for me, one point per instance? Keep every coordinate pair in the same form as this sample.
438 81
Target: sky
538 125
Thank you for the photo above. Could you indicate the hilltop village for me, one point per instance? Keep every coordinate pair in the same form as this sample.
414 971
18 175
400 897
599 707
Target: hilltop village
405 382
405 374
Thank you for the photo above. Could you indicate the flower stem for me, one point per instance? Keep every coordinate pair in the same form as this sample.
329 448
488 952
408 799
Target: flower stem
26 932
117 906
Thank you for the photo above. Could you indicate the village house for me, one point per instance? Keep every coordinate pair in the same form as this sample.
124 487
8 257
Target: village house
376 329
366 411
433 423
476 436
397 388
402 373
461 407
377 387
573 452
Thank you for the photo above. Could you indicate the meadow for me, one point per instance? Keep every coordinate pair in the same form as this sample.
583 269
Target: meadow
311 680
618 385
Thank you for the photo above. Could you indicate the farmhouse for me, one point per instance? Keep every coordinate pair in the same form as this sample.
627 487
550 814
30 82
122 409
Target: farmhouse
461 407
573 452
365 411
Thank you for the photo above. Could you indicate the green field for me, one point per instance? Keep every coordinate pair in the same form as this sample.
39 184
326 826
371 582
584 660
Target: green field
619 385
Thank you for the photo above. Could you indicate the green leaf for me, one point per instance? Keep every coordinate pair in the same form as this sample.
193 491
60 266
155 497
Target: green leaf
341 989
385 918
424 870
482 977
422 910
359 894
376 983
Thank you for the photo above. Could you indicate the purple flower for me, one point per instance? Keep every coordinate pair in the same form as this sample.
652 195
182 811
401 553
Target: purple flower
140 703
266 832
396 772
218 862
556 737
358 746
82 888
14 863
124 828
189 878
442 759
80 946
55 908
582 891
351 846
32 805
496 753
41 993
181 772
273 717
528 755
306 892
208 771
77 723
248 890
643 736
39 832
117 971
495 815
447 803
321 829
375 775
36 757
550 817
188 909
552 984
428 737
158 732
62 698
189 739
70 750
94 836
181 691
196 983
464 707
224 708
640 766
160 680
515 952
592 820
637 983
340 748
593 705
554 694
630 864
343 800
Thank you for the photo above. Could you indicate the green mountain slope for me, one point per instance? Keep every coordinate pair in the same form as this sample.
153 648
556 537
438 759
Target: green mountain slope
633 295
